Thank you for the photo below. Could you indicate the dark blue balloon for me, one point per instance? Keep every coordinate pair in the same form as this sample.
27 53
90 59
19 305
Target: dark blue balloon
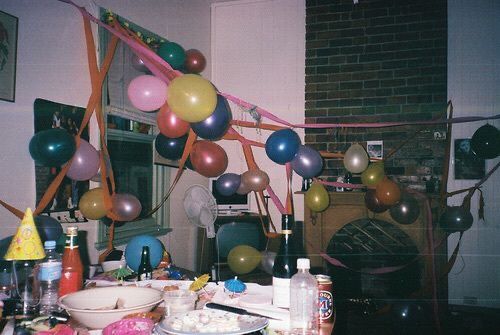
228 183
456 219
485 142
170 148
282 146
307 163
52 147
216 125
48 228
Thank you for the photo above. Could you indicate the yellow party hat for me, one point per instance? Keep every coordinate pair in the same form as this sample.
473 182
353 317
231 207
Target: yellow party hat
26 244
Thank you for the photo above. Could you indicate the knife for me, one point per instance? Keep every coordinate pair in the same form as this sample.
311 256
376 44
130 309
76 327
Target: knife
235 310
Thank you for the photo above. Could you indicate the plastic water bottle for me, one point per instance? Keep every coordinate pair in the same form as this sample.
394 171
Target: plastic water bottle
49 276
304 300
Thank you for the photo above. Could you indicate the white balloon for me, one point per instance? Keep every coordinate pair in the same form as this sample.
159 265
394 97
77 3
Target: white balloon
356 159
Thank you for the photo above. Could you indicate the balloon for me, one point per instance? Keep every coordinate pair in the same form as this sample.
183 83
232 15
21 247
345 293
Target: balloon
138 64
243 188
228 183
216 125
191 97
373 174
172 53
133 251
195 61
147 93
125 206
372 202
52 147
282 145
406 211
485 142
356 159
85 162
307 163
410 317
267 261
48 228
455 219
317 198
170 148
170 124
243 259
92 204
387 192
255 180
209 159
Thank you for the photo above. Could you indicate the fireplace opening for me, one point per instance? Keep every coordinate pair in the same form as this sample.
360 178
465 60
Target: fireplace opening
367 244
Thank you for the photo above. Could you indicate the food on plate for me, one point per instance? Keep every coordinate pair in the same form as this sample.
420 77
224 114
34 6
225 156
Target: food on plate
154 316
170 288
207 323
134 326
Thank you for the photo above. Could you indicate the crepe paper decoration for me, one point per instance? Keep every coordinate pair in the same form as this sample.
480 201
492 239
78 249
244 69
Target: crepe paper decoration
26 243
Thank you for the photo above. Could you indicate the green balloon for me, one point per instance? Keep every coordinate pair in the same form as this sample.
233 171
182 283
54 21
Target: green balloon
52 147
243 259
173 54
373 174
317 198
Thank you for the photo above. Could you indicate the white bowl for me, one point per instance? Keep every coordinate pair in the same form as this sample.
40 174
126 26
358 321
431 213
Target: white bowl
113 265
95 308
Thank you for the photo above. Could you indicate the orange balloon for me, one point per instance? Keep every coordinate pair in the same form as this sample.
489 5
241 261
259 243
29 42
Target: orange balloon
208 158
388 192
170 124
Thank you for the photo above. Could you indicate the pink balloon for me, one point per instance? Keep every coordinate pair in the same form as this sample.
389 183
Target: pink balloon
85 163
147 93
126 207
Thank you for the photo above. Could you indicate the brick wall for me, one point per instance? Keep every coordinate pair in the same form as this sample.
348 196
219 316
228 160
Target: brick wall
376 61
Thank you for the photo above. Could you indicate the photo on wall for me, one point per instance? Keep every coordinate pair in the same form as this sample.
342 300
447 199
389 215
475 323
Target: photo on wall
64 206
467 164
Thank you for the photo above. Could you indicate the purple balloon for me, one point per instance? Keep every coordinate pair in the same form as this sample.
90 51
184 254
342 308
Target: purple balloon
147 93
126 206
216 125
85 163
307 163
138 64
228 183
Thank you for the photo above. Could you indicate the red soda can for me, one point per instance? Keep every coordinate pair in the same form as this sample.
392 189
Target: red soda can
325 301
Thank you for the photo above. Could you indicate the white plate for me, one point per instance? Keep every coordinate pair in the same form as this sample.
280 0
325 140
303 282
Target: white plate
245 323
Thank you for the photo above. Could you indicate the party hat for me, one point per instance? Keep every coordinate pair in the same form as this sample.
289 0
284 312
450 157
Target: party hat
26 243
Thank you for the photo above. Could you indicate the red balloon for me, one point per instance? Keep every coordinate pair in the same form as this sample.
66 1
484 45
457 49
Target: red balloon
170 124
208 159
388 192
195 61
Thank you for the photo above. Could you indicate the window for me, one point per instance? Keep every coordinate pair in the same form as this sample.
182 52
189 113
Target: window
130 135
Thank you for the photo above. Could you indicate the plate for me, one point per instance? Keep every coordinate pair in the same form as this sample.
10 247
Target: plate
210 321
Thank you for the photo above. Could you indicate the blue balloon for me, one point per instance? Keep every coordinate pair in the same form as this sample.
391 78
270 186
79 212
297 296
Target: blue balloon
216 125
282 146
52 147
228 183
48 228
133 251
170 148
307 163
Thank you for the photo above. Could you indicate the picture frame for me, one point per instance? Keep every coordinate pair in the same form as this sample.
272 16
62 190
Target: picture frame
467 165
375 149
8 56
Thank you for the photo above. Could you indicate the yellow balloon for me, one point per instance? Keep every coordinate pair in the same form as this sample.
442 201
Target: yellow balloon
373 174
317 198
243 259
92 204
191 97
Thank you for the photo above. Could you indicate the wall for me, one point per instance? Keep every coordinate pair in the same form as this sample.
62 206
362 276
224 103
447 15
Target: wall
377 61
473 86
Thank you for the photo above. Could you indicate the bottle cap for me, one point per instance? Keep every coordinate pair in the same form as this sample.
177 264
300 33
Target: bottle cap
303 263
49 244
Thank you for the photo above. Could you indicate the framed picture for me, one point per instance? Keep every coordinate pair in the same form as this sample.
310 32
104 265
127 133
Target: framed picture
8 55
375 149
467 164
64 206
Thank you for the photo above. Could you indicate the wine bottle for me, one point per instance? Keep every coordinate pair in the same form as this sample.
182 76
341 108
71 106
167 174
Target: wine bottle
285 264
145 270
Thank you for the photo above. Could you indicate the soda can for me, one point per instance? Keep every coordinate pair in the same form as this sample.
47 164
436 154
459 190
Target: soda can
325 303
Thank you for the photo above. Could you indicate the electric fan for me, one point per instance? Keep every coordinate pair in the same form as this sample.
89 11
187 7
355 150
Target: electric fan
201 208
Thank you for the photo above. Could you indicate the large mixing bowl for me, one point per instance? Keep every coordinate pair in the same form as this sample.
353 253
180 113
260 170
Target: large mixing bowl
98 307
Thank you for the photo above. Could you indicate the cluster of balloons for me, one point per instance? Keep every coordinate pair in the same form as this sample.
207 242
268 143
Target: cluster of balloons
243 259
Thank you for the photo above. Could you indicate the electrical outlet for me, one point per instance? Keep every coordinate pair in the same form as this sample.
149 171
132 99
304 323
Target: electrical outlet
440 135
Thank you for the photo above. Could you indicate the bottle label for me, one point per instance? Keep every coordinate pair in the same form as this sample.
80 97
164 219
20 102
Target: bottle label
50 271
325 305
281 292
